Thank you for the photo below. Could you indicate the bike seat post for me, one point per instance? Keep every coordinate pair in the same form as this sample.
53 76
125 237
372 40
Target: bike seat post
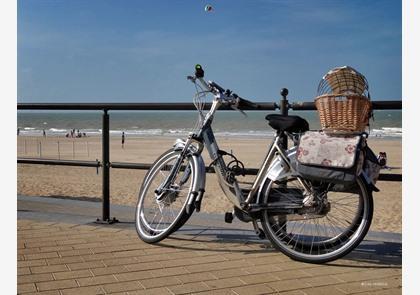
284 109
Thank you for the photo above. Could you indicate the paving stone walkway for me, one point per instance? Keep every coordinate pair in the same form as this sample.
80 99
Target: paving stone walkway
76 256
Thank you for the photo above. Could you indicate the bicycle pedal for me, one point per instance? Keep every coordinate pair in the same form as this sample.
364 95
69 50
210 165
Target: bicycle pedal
228 217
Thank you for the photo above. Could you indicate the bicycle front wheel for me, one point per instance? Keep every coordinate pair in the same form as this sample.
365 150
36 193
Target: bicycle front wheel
163 197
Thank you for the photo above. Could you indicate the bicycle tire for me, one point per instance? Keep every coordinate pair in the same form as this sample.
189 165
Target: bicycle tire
145 229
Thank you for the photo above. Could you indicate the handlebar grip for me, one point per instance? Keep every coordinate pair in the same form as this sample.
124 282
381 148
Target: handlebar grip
246 104
217 86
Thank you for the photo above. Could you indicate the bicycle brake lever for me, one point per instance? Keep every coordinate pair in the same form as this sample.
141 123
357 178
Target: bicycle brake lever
241 111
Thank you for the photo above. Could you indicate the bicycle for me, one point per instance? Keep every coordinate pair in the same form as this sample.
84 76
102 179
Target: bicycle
309 221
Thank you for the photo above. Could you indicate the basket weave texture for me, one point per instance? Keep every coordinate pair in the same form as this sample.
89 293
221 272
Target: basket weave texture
343 101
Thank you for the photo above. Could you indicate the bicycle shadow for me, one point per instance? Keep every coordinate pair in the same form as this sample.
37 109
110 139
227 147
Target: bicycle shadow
371 253
387 254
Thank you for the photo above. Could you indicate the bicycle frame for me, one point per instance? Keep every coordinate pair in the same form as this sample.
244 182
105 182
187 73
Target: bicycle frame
276 164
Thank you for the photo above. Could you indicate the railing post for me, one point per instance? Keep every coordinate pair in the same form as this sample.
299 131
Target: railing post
58 149
73 148
105 170
105 166
284 109
40 149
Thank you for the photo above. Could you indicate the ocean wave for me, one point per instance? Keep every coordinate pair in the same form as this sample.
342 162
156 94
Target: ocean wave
392 129
386 132
57 130
30 131
137 132
250 133
177 131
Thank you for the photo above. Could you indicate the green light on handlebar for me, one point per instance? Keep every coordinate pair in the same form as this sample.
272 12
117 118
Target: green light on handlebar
199 72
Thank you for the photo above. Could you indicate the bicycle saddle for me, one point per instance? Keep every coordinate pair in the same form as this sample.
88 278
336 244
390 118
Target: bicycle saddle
287 123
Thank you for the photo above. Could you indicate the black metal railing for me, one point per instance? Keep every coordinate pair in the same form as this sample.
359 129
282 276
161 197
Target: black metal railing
105 164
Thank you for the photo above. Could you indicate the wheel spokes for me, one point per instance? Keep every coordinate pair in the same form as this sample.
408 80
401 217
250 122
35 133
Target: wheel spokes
159 212
318 234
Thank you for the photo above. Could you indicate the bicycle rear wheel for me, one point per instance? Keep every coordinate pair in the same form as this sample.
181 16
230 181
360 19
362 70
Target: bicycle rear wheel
163 197
325 238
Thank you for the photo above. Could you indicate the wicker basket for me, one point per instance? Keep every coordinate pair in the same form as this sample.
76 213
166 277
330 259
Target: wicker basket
343 113
343 101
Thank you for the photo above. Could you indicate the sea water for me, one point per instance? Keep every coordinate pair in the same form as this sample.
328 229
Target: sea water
386 123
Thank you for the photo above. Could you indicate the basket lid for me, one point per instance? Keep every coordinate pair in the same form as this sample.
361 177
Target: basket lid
344 80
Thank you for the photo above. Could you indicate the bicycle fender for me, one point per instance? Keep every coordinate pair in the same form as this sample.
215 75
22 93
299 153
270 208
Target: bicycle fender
199 181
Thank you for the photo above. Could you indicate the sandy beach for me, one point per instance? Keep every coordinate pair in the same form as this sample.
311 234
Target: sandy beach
81 182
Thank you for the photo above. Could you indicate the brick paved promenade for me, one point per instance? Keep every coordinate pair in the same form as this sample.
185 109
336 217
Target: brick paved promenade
61 251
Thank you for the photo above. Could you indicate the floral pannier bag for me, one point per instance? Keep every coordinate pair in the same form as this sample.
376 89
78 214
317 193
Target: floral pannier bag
371 168
337 159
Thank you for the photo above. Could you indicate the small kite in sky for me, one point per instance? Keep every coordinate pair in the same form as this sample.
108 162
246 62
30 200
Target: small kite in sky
208 8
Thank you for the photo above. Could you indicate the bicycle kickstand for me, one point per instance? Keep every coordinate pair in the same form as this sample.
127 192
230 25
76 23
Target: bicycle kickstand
260 233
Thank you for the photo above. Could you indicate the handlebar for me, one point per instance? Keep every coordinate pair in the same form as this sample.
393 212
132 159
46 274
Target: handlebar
226 95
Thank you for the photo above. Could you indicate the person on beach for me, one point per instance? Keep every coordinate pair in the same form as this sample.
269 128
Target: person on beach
18 131
122 139
43 133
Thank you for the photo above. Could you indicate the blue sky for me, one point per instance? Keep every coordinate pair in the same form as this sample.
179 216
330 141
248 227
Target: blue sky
142 51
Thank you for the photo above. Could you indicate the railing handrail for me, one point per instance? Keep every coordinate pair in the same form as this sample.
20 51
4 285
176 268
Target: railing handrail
178 106
376 105
146 166
170 106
